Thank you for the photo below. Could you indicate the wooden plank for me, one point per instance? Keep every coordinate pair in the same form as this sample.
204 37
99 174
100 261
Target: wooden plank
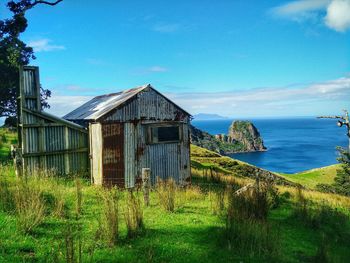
66 154
37 87
38 125
56 119
55 152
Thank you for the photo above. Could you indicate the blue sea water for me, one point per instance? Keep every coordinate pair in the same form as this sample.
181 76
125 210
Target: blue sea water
294 145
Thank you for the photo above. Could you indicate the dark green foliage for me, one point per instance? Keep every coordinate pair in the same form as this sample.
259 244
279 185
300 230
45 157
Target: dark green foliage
341 183
13 54
10 122
342 180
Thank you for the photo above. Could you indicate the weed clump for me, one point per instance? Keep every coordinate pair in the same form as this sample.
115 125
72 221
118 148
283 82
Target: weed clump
167 193
133 214
110 216
217 201
29 206
247 229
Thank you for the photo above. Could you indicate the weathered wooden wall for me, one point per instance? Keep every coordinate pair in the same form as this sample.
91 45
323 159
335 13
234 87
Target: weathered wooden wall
47 142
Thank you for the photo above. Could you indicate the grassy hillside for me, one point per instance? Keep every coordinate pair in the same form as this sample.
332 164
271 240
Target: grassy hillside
73 219
204 161
311 178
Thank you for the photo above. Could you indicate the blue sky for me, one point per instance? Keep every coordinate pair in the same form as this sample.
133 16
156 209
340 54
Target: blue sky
234 58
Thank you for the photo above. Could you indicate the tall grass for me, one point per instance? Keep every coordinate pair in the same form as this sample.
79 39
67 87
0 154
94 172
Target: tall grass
6 196
166 190
29 206
133 214
110 215
217 201
79 198
247 229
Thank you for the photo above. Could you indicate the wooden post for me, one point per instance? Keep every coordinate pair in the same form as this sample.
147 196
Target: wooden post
146 184
16 155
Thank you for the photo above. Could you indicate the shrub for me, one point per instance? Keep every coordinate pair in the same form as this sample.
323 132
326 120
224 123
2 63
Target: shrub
110 217
30 206
166 193
133 214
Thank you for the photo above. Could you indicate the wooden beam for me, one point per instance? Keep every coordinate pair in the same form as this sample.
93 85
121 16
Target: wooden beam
52 118
55 152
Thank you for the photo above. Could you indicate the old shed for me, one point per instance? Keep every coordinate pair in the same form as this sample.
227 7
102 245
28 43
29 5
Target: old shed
134 129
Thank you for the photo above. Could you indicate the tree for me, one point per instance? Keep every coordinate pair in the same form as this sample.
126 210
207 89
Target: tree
15 53
342 180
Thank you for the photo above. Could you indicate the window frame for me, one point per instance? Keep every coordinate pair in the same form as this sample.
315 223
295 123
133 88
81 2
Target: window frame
150 127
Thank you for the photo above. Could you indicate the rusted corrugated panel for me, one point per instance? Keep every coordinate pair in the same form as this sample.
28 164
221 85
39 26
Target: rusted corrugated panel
113 154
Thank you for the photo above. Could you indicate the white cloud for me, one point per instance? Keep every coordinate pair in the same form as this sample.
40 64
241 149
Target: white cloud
338 15
61 105
43 45
321 98
166 28
334 13
149 70
157 69
300 8
268 101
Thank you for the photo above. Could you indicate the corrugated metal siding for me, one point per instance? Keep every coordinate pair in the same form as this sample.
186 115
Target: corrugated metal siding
48 143
148 105
130 153
113 154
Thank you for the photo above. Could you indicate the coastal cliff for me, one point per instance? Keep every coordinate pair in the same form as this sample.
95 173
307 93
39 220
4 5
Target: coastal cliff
242 136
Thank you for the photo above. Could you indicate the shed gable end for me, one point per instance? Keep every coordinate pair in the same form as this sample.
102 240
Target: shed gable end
148 104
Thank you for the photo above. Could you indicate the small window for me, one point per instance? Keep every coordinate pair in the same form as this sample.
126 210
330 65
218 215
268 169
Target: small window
162 134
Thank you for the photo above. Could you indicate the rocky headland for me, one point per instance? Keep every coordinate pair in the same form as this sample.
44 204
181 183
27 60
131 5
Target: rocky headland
242 136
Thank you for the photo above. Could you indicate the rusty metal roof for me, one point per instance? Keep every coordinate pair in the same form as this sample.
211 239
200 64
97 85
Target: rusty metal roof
100 105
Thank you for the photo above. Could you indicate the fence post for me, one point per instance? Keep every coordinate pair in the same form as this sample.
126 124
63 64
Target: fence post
146 176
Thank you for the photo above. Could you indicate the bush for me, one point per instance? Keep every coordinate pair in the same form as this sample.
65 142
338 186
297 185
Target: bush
166 193
133 215
30 206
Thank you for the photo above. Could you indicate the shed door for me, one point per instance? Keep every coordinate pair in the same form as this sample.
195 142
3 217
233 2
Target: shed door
113 154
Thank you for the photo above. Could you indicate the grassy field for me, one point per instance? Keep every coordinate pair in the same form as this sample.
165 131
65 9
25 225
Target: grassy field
6 139
193 232
68 220
311 178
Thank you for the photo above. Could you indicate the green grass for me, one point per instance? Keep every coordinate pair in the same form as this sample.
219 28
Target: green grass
7 138
311 178
191 233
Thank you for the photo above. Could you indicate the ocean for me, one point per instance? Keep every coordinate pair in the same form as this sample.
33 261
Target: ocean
294 145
